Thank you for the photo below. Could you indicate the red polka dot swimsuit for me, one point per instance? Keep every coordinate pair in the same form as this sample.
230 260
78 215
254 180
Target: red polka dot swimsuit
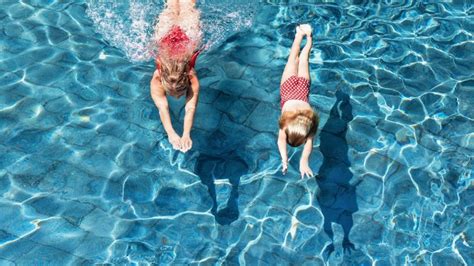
294 88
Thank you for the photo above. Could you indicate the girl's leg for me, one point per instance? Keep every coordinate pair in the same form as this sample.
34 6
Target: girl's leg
291 67
190 3
188 7
190 21
172 6
166 18
303 66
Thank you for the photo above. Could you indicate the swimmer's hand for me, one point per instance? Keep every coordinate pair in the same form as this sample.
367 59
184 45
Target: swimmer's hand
284 167
175 141
305 170
186 143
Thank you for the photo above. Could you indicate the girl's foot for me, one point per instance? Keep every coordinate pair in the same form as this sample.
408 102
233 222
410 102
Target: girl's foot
306 29
299 31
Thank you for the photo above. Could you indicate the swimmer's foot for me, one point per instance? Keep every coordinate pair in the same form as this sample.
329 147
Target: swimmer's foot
306 29
299 31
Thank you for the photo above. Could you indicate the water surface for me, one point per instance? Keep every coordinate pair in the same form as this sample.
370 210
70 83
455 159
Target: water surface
87 174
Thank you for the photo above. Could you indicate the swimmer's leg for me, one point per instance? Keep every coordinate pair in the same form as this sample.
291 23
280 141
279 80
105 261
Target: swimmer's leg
189 3
172 6
303 66
291 68
189 11
167 18
190 20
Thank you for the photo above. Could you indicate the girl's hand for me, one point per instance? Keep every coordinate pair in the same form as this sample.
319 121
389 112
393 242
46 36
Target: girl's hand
175 141
186 143
284 167
305 170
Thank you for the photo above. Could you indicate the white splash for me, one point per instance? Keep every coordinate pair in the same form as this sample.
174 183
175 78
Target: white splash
129 25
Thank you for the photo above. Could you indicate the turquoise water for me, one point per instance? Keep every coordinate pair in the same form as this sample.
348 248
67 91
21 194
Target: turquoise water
87 174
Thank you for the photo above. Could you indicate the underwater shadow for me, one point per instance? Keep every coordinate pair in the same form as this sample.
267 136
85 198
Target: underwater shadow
221 162
221 174
337 197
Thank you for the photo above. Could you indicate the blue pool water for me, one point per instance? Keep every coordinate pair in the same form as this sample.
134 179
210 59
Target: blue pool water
87 174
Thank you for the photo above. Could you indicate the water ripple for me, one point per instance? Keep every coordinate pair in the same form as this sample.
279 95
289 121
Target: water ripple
87 174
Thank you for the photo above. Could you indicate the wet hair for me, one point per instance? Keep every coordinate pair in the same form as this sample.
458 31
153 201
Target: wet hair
174 77
299 126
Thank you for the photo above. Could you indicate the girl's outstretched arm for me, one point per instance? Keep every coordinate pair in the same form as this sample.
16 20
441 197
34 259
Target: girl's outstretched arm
159 98
304 166
190 108
282 149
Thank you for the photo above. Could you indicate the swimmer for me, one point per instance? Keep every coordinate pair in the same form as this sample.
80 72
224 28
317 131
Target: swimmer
177 37
298 122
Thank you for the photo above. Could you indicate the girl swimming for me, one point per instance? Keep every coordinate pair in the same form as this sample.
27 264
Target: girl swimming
298 122
178 36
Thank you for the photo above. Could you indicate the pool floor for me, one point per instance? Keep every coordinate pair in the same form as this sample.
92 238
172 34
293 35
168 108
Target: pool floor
87 175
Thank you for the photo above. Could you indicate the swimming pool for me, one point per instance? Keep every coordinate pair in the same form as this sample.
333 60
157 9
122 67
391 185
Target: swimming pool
87 175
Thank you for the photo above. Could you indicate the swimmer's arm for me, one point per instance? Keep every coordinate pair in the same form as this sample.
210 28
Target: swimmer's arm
282 149
304 166
308 148
159 98
191 104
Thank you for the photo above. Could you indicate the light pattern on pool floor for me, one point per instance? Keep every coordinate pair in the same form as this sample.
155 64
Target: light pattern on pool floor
87 175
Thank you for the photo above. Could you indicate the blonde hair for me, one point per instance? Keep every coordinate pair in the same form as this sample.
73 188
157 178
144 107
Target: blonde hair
175 77
299 126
